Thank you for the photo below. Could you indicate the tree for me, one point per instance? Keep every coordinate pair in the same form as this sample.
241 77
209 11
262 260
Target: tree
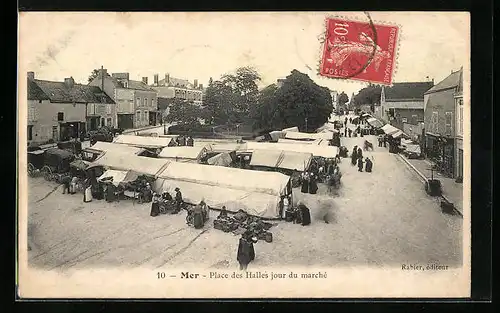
184 112
368 95
343 98
230 99
298 102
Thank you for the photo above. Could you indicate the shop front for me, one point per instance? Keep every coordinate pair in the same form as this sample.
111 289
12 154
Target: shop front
441 150
70 130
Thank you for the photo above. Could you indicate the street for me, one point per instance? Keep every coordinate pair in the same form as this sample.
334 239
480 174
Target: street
380 218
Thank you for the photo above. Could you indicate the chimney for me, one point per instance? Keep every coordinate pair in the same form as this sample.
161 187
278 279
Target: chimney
156 80
69 82
167 79
31 75
195 83
145 80
104 73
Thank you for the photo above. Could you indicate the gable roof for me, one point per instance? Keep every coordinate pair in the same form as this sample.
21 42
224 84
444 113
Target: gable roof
138 85
451 81
34 92
177 81
407 91
60 92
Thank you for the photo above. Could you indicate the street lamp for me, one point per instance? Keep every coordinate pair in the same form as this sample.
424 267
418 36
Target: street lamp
237 129
306 124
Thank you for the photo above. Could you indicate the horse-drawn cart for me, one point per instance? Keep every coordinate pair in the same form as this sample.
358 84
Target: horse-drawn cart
56 164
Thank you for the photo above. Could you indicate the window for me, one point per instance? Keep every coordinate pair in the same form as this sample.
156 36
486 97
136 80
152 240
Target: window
60 116
145 103
103 122
145 116
404 120
434 122
30 132
109 122
108 108
138 117
138 102
448 122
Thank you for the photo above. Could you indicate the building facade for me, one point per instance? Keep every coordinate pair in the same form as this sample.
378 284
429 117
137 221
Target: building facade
403 103
439 123
136 102
58 111
459 127
174 88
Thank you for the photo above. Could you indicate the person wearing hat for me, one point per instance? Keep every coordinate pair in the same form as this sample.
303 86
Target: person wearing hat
147 193
368 165
178 199
246 251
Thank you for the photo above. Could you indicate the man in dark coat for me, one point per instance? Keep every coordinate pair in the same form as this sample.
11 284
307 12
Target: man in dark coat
360 164
305 214
350 120
350 132
354 155
368 165
246 251
190 141
313 185
360 153
345 131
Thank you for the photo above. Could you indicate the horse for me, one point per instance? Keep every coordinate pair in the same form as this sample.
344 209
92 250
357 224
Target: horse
368 145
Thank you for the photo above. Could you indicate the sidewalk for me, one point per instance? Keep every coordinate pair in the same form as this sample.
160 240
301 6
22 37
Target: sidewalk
452 191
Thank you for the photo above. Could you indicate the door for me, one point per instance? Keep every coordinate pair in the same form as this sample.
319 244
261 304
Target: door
460 163
55 136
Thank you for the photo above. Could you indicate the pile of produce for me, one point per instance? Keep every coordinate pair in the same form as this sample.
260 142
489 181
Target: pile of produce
241 222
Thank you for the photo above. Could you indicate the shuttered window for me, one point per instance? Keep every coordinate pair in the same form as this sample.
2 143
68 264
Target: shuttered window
448 122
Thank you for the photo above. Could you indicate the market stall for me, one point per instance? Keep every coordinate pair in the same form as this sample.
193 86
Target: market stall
183 154
289 160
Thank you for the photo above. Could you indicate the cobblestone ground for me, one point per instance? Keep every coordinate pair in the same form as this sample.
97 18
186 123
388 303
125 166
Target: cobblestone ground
382 218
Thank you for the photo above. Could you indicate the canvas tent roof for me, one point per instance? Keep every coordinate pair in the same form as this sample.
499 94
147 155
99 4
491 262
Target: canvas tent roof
299 135
413 149
317 142
143 142
101 146
291 129
281 159
389 129
124 162
183 152
374 122
276 135
254 203
317 151
226 147
397 134
232 178
116 176
221 159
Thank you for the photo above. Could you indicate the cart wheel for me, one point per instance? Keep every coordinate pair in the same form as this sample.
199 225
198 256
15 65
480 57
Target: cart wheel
31 170
47 173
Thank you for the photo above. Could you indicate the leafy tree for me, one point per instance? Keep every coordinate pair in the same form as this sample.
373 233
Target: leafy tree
230 99
298 102
343 98
368 95
184 112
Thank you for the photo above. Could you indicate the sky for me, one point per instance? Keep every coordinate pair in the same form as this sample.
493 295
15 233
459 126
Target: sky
203 45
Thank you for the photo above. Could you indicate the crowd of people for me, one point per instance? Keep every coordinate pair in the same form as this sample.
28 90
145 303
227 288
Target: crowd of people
184 141
357 159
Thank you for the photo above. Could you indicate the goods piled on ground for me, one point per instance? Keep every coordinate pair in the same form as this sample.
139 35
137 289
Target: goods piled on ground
241 222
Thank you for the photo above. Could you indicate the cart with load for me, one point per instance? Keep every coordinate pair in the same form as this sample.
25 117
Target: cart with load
56 164
36 161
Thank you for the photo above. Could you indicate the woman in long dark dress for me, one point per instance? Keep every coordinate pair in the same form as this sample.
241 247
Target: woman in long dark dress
198 217
305 214
304 188
354 155
360 153
368 165
246 251
155 206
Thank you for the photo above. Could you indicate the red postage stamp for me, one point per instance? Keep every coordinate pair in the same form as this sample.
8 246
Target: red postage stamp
359 50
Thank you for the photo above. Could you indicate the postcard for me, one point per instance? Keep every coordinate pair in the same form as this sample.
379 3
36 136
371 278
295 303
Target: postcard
244 155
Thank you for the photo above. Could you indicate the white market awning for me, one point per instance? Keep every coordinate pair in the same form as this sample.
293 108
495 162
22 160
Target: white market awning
397 134
114 176
389 129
